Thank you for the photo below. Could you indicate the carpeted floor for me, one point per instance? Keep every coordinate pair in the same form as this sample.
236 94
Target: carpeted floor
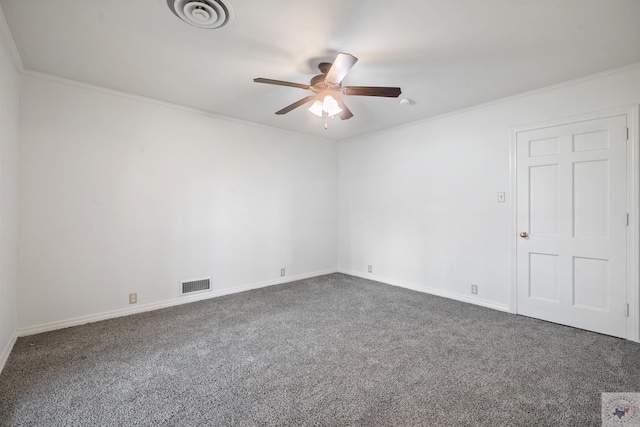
332 350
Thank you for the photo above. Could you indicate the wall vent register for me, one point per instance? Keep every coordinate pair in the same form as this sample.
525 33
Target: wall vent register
207 14
193 286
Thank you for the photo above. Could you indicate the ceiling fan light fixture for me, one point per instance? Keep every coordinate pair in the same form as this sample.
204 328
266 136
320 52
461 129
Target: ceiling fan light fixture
330 105
316 108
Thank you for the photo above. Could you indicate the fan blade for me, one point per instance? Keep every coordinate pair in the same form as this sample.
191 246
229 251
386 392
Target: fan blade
296 104
345 114
341 66
389 92
280 83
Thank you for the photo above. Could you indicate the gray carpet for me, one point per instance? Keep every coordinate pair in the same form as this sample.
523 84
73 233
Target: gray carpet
333 350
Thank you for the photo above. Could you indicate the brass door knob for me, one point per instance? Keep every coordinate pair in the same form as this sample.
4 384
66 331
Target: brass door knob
524 234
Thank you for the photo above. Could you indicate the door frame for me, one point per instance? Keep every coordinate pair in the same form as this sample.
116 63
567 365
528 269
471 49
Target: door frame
633 205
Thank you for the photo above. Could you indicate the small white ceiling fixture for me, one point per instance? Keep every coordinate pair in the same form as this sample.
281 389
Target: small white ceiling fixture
206 14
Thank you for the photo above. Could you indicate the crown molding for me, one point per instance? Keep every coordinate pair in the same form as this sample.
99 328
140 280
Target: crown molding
505 99
145 99
10 43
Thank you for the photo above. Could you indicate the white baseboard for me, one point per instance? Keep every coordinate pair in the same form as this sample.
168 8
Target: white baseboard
428 290
46 327
6 351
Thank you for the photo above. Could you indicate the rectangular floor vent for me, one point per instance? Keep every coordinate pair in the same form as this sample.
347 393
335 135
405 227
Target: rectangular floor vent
192 286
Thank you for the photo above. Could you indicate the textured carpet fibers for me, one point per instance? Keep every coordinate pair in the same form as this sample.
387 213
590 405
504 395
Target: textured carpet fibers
332 350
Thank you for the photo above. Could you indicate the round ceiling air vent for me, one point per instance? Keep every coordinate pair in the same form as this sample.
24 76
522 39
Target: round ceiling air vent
202 13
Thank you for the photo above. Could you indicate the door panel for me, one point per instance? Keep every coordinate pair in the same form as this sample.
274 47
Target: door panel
543 195
543 283
591 199
590 283
572 205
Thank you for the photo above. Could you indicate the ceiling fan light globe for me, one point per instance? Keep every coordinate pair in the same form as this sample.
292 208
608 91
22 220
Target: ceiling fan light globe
330 105
316 108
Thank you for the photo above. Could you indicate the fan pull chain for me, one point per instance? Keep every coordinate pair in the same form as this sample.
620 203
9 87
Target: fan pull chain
326 121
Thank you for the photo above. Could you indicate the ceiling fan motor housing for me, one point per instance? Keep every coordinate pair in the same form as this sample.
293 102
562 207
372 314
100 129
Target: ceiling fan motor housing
207 14
319 83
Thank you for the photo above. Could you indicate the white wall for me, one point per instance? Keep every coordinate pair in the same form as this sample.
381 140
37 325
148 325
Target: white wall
121 195
419 203
9 125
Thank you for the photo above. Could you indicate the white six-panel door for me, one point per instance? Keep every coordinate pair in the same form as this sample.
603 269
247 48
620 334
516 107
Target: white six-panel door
571 219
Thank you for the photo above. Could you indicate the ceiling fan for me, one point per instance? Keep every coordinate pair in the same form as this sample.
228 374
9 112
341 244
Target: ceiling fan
326 87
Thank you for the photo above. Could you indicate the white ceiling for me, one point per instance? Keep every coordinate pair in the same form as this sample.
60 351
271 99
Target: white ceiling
444 54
